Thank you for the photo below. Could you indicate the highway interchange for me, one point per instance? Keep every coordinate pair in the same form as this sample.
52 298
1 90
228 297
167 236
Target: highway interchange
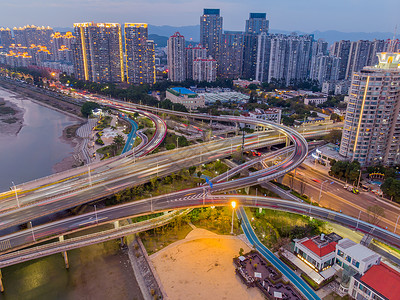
118 174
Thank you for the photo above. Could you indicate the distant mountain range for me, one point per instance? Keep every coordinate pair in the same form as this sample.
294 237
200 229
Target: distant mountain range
192 33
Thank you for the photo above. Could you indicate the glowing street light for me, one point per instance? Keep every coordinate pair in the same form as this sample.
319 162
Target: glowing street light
233 203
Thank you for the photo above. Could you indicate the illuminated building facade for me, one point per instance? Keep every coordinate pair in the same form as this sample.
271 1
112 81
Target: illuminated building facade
98 54
61 46
140 54
193 53
371 132
205 69
231 61
5 38
33 35
176 58
211 31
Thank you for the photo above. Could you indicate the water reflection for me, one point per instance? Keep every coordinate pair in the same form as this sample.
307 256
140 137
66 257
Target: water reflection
37 147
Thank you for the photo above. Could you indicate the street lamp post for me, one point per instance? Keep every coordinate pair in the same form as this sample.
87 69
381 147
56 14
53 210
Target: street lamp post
396 224
359 214
320 190
33 235
90 178
16 194
177 142
233 203
95 212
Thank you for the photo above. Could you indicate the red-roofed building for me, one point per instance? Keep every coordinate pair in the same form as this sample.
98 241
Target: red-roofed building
379 282
318 252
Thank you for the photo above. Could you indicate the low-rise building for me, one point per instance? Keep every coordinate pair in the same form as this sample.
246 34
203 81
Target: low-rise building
318 252
270 114
186 97
379 282
315 101
350 255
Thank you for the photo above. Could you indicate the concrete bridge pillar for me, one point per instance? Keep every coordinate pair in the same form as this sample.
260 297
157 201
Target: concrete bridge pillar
64 254
123 242
116 224
1 283
280 179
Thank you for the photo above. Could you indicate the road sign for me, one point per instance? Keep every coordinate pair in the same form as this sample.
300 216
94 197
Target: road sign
209 182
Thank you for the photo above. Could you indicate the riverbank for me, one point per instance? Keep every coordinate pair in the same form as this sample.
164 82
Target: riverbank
11 125
11 118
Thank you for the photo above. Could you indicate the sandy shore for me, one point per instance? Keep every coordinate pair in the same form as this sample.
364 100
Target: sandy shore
70 137
201 267
10 123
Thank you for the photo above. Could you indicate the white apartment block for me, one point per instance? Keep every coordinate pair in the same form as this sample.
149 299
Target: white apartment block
371 132
205 69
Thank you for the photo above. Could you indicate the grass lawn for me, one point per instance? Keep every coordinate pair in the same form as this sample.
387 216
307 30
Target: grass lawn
217 220
159 238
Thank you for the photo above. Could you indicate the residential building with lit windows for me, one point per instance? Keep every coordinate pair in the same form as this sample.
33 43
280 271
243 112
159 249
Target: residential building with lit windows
380 282
371 132
176 58
140 55
205 69
61 46
317 252
5 38
98 53
211 31
192 53
231 62
33 35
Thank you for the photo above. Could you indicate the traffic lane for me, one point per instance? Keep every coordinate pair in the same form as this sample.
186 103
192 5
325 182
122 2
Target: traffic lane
213 153
123 166
362 200
33 212
352 207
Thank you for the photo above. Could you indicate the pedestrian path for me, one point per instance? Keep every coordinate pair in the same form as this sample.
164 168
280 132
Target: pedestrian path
282 267
131 136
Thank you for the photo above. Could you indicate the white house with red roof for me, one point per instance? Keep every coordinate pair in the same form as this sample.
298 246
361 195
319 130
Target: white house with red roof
379 282
318 252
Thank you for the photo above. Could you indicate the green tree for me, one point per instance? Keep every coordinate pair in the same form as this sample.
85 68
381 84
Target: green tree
375 214
334 136
87 108
119 141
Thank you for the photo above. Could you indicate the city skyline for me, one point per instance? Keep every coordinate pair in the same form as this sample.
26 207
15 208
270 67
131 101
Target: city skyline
288 15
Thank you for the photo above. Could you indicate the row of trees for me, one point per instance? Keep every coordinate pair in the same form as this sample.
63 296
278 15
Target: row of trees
133 93
348 171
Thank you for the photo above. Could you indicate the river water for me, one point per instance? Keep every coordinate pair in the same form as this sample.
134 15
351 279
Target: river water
34 151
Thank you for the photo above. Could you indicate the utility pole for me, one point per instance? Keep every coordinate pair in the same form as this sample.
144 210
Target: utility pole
396 224
359 178
16 194
33 235
242 142
95 212
90 178
177 142
359 214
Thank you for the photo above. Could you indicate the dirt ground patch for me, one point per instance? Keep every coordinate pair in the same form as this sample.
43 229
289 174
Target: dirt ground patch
201 267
